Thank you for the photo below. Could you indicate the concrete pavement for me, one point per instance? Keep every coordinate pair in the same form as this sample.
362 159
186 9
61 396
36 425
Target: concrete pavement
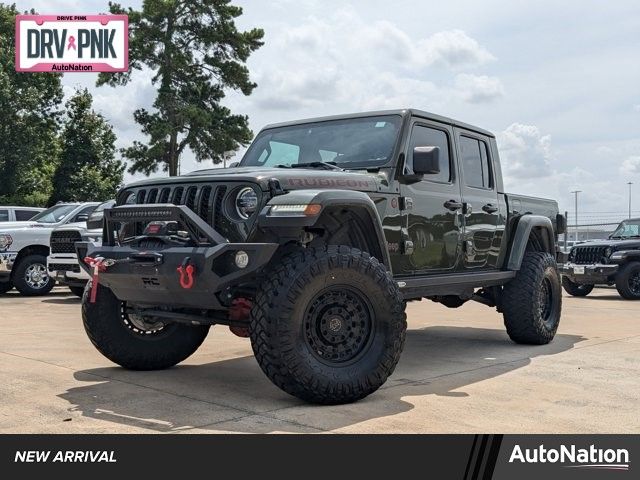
459 373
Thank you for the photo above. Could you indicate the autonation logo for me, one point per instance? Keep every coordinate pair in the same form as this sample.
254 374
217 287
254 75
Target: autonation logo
574 457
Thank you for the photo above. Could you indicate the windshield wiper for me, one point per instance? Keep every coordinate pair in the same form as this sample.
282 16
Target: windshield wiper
321 165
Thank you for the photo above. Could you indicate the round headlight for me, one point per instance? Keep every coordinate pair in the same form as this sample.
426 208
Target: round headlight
246 202
131 199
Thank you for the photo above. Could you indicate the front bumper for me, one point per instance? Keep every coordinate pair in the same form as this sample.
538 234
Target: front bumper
66 269
157 277
589 274
152 278
7 259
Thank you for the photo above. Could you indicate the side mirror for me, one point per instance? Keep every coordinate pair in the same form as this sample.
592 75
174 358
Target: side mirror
82 217
426 160
233 164
94 222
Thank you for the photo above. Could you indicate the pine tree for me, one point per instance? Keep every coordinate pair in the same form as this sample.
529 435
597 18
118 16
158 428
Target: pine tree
195 52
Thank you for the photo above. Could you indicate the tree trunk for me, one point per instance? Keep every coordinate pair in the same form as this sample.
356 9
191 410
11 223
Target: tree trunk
173 155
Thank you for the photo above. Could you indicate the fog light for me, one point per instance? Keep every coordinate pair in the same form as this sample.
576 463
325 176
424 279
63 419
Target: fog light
242 259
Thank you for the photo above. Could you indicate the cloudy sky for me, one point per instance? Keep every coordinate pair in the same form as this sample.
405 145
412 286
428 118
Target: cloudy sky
558 82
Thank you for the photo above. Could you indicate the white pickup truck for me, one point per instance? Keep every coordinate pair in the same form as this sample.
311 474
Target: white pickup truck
63 263
24 247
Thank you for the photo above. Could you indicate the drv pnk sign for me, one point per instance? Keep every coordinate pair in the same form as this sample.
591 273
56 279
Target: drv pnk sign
72 43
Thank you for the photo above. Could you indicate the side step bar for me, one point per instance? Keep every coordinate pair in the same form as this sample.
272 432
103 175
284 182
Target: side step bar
461 284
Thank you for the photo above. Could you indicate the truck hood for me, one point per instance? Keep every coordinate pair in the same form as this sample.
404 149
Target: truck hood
631 243
289 178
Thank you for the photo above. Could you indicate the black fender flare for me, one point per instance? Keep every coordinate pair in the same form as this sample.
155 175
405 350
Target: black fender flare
520 238
328 199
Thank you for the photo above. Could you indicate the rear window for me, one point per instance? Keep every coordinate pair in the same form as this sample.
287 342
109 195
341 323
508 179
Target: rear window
24 215
4 215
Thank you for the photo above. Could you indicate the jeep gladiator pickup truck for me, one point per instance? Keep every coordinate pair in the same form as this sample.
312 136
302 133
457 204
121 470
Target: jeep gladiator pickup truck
24 247
312 246
615 261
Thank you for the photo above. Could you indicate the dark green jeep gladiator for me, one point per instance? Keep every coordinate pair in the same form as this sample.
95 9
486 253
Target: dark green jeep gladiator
313 244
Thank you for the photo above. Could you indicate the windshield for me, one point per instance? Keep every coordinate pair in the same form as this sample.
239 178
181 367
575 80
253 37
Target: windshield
628 228
349 143
55 214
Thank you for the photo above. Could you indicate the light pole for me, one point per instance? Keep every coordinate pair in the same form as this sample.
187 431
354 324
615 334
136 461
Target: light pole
576 192
629 183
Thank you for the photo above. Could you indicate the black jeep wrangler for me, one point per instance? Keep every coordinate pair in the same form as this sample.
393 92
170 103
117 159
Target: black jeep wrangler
312 245
609 262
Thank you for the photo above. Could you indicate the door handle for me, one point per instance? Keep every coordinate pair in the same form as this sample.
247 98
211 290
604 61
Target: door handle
490 208
452 205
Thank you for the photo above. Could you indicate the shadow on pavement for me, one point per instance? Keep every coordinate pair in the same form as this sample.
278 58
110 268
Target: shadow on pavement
436 361
67 300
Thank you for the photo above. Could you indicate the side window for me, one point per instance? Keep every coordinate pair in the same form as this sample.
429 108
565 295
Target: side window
24 215
475 163
422 136
279 153
4 215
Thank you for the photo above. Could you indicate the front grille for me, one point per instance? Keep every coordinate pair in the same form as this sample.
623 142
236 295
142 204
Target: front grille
64 267
207 200
589 255
63 241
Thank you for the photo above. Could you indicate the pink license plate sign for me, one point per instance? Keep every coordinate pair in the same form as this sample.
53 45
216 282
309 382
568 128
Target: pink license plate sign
72 43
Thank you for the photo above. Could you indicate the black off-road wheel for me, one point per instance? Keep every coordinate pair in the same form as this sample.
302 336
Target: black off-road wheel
628 281
5 287
134 342
31 277
77 291
532 301
576 289
328 324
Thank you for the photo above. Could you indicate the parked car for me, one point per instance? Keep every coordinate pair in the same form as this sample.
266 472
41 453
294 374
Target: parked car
615 261
62 262
18 214
322 233
24 247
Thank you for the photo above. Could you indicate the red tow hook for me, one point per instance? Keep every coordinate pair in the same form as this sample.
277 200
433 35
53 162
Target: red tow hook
98 265
186 271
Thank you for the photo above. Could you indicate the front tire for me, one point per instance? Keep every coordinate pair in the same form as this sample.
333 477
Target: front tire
328 324
133 342
628 281
5 287
576 289
532 301
31 277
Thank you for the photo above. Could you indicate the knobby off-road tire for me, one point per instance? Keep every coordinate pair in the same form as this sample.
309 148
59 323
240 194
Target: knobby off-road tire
5 287
31 277
576 289
628 281
132 343
328 324
77 291
532 301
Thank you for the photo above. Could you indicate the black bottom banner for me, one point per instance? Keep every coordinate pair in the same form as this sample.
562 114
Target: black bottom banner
465 457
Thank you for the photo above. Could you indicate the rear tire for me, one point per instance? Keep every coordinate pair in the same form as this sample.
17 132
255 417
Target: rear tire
31 277
77 291
576 289
328 324
532 301
132 343
5 287
628 281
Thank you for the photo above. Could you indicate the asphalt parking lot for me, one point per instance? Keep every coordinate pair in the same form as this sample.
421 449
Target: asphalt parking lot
459 373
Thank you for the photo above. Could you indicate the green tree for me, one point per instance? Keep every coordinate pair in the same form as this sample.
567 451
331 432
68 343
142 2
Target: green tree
195 52
88 169
29 112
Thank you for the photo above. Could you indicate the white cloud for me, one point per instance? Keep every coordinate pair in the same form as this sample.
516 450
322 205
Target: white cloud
479 88
637 107
631 165
525 152
454 48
